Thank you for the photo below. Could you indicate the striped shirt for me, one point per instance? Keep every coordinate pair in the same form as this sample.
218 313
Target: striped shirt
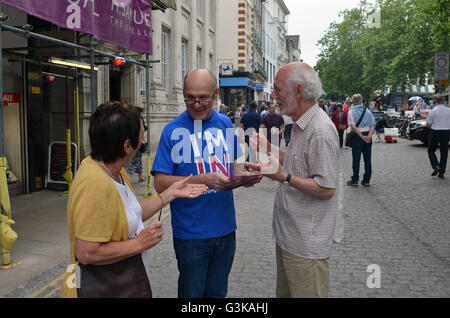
303 225
355 114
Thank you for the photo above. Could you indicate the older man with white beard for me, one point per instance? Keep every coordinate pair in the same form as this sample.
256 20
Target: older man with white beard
306 203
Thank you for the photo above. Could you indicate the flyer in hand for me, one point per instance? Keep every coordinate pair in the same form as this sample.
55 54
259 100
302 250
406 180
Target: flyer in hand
244 181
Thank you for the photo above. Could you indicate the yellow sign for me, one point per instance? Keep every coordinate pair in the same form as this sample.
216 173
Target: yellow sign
38 182
35 90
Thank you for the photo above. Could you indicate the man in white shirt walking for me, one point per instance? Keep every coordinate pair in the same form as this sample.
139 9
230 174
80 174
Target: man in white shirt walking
439 122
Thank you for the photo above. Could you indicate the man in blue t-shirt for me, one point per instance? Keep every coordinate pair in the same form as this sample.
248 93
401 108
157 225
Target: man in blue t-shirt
201 142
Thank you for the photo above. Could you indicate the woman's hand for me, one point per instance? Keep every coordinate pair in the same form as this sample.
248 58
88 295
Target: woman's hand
150 236
183 189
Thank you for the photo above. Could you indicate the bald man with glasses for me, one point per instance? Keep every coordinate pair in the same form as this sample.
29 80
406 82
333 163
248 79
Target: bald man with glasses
201 142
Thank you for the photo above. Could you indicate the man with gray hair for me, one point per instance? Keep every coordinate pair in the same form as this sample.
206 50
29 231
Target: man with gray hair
304 213
362 143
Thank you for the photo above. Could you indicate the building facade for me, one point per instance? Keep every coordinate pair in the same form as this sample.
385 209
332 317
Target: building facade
236 52
40 97
183 40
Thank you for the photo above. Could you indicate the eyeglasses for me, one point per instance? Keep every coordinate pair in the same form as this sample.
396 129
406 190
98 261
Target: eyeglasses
203 102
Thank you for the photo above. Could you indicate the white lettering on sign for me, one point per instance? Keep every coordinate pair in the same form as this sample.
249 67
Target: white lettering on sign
11 98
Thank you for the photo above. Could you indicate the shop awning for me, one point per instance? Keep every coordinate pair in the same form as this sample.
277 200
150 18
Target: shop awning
237 82
126 23
412 90
259 87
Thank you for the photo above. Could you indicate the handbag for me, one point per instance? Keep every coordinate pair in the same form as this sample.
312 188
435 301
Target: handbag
143 148
349 138
124 279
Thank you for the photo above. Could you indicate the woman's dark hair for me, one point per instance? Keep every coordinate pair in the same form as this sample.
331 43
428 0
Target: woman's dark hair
111 124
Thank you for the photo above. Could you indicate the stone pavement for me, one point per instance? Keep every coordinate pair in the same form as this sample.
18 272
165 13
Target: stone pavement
401 224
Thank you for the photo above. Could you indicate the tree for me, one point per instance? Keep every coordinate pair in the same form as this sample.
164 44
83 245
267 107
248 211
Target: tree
359 58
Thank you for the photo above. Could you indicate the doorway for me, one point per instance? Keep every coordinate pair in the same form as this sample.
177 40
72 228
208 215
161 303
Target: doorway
114 83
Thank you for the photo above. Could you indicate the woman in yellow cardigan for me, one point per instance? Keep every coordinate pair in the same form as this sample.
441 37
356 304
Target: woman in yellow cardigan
105 220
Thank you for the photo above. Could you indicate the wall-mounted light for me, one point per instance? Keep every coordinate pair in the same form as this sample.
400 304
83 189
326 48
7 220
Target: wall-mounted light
119 61
49 78
69 63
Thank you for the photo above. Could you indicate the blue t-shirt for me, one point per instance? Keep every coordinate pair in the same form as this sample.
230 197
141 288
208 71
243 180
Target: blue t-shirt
200 147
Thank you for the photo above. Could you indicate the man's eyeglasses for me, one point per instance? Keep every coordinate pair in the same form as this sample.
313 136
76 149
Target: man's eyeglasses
203 102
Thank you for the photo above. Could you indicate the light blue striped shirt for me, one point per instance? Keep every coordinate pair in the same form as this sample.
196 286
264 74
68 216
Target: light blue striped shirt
355 113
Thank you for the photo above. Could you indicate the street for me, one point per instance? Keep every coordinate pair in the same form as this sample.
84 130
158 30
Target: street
400 225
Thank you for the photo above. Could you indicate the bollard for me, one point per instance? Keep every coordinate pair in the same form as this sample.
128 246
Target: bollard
7 239
68 175
150 178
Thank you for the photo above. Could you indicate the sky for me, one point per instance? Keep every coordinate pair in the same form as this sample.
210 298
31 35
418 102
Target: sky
310 19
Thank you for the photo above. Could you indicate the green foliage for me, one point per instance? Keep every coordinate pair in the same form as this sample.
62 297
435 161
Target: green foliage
359 58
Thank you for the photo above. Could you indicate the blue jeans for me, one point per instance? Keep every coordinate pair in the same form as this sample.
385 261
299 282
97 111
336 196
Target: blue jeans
204 266
360 147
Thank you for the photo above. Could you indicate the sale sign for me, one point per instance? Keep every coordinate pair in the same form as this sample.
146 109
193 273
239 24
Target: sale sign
11 98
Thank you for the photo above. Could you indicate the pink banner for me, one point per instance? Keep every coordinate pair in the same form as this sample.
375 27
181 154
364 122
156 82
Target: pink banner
126 23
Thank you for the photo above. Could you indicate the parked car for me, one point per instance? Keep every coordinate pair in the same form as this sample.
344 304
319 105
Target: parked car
417 130
378 115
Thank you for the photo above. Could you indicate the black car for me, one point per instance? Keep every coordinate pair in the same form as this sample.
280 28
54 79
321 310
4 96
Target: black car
377 115
417 130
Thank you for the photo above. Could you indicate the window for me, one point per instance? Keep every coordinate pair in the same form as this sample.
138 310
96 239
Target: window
165 59
212 65
269 72
201 9
273 73
282 45
184 58
186 3
199 57
143 82
212 15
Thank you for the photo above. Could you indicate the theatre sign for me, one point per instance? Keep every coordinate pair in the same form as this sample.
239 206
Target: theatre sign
126 23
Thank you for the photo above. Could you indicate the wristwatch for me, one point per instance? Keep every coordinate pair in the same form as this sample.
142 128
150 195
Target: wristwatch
288 179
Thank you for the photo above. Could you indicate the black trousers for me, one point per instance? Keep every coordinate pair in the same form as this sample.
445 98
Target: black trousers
287 134
341 137
360 147
439 137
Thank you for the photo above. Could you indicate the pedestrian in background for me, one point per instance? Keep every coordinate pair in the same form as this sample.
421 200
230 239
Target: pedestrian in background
340 121
250 123
273 124
104 217
136 164
330 109
439 122
204 235
223 109
288 123
345 108
323 106
362 143
308 178
264 111
237 117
